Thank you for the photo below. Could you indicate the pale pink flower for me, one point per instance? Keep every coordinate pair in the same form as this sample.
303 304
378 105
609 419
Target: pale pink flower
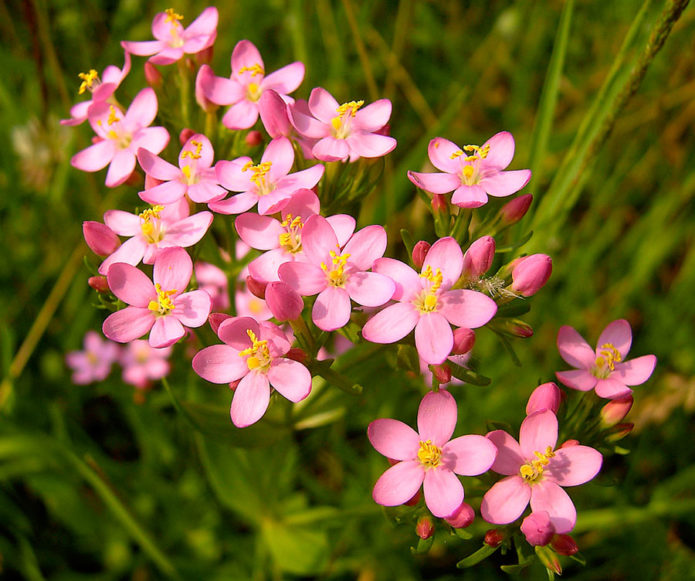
153 230
213 281
195 177
100 88
247 84
338 273
254 353
172 40
270 183
94 363
161 308
120 136
428 457
249 305
344 132
537 472
426 303
604 368
142 363
472 172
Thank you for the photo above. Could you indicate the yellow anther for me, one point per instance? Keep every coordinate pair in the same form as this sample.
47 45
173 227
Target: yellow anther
150 213
350 108
164 303
258 354
336 273
186 171
253 69
193 154
341 123
292 239
532 471
88 79
468 171
457 153
113 117
172 16
149 229
605 362
427 300
435 278
476 152
259 173
429 455
253 91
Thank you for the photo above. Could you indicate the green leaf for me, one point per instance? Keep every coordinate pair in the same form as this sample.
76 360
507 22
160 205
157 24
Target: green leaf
467 375
423 546
480 555
295 549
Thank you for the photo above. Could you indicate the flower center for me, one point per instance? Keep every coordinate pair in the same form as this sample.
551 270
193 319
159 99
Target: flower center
342 122
473 154
291 240
253 89
606 360
532 471
88 81
336 275
164 303
258 354
173 18
151 226
116 134
426 301
429 455
259 176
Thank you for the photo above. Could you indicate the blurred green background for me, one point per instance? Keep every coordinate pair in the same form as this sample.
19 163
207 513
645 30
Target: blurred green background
98 484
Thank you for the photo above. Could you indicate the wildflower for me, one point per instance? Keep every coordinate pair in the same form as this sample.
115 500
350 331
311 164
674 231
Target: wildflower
530 273
269 183
246 85
545 396
428 457
195 176
213 281
472 172
538 529
94 363
478 258
427 304
172 40
605 368
254 353
160 307
120 136
142 363
462 517
344 132
100 238
338 273
536 471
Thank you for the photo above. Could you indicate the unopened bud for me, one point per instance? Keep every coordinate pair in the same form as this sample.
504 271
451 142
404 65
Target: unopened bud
531 273
98 283
619 431
152 75
234 384
151 182
420 251
515 210
413 501
538 529
569 443
564 545
256 287
546 396
185 135
464 339
441 372
439 205
494 537
100 238
478 258
297 354
283 301
204 79
424 527
549 559
615 411
516 328
215 320
204 57
462 517
253 138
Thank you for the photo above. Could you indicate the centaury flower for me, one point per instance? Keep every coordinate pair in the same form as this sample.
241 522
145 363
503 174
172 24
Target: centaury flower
94 363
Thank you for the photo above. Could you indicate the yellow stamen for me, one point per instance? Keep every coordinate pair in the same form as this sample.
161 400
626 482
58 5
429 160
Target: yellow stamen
172 16
350 108
193 154
532 471
457 153
186 171
336 274
258 177
253 69
341 123
605 362
258 354
426 302
292 239
113 117
476 151
88 80
164 303
150 230
429 455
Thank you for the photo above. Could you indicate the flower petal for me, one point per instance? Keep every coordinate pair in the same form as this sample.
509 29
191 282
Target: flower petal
435 183
173 269
574 349
574 465
166 331
251 400
443 492
469 455
635 371
505 183
128 324
619 334
332 309
130 285
407 281
365 246
94 157
303 277
577 379
434 338
550 497
394 439
537 432
467 308
122 165
469 196
611 388
442 154
446 255
219 364
391 324
436 417
501 150
290 378
399 483
370 289
286 79
509 457
193 308
505 501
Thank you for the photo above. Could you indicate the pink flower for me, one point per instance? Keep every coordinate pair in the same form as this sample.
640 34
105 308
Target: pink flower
535 471
120 137
247 84
605 368
472 172
538 529
213 281
142 363
344 132
270 183
426 303
254 353
101 90
530 273
162 306
153 230
195 176
100 238
545 396
428 457
173 41
249 305
338 273
94 363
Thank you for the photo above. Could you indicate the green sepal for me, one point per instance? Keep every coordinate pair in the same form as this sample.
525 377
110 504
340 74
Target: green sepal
480 555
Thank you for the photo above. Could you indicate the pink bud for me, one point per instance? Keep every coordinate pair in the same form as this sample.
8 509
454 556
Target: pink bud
462 517
204 57
100 238
494 537
274 116
441 372
152 75
439 204
98 283
283 301
564 545
215 320
297 354
256 287
424 527
185 135
515 210
615 411
254 138
420 251
516 328
204 77
538 529
569 443
546 396
479 256
416 498
531 273
464 339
